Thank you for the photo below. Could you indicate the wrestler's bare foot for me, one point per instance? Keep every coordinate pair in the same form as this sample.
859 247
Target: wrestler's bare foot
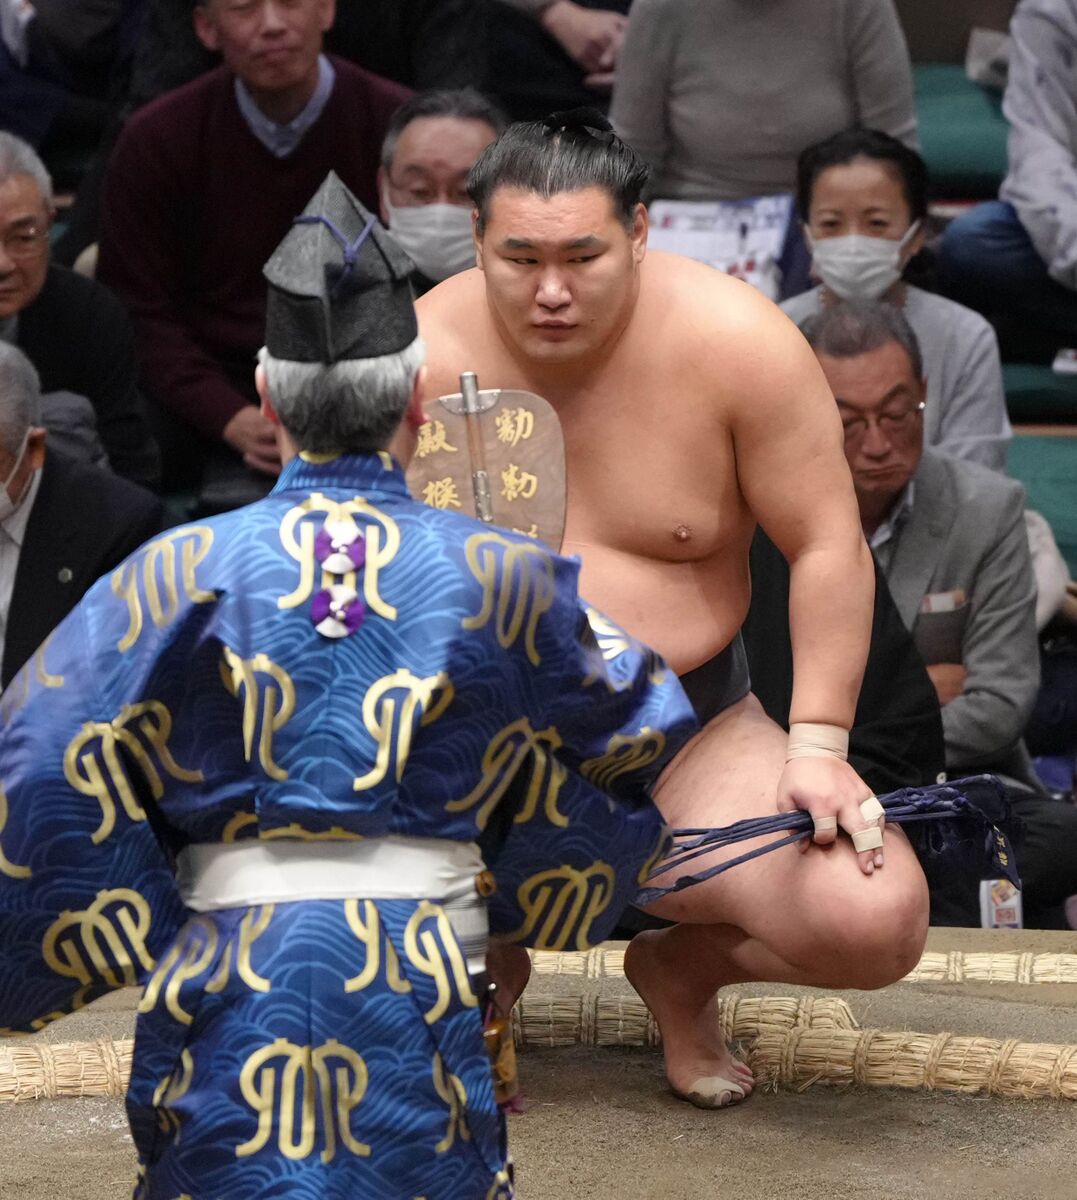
699 1065
509 967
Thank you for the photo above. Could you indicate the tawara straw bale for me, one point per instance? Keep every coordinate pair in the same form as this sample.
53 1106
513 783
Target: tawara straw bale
31 1069
945 1062
786 1055
957 966
618 1021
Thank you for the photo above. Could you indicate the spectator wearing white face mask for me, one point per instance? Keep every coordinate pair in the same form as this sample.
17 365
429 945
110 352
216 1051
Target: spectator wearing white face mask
430 146
862 197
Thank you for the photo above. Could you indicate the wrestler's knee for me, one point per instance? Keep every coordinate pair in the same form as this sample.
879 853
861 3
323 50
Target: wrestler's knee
877 931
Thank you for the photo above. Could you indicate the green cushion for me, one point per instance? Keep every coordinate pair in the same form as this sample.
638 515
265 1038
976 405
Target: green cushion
962 132
1047 466
1036 393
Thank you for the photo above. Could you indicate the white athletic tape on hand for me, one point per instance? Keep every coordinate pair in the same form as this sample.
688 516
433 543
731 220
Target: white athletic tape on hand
807 740
871 810
868 839
825 824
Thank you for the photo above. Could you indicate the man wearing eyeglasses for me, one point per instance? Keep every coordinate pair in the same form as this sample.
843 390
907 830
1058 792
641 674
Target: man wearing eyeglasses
949 535
73 330
432 142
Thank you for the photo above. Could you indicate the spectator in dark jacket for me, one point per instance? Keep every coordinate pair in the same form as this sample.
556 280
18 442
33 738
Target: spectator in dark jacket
72 329
62 523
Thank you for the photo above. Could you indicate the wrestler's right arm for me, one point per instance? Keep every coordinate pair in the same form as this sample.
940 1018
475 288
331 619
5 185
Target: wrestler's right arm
794 477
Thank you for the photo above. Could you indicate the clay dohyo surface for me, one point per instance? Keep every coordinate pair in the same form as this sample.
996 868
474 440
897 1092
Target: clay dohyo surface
600 1123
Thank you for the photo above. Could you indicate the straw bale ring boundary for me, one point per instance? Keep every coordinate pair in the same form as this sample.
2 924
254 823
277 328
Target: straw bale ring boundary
796 1042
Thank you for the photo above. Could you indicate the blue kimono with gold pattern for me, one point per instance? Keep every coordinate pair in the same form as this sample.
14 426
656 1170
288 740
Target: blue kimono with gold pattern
319 1049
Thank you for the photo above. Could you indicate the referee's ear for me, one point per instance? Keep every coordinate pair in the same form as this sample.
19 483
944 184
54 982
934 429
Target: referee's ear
415 415
262 388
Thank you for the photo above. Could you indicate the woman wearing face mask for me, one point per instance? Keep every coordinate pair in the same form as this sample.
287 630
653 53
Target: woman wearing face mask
862 197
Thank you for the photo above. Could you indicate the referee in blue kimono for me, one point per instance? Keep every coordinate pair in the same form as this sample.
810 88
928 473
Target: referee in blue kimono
288 768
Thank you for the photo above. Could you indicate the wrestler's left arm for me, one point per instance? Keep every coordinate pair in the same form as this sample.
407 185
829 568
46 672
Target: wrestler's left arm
793 474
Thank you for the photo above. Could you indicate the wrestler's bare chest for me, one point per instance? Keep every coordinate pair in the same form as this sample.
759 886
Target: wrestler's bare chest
650 458
654 509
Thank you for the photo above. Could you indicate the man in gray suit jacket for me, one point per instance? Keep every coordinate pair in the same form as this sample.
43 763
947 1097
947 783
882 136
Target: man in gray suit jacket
950 538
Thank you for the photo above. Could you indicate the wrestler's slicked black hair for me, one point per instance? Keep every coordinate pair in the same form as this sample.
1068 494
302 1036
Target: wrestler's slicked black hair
566 152
850 329
841 149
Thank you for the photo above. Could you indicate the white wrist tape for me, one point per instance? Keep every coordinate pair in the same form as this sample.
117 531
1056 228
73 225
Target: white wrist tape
817 741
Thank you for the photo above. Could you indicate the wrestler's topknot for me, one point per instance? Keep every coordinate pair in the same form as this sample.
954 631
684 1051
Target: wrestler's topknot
565 152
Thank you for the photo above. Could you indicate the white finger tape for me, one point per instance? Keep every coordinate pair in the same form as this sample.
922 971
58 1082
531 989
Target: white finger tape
825 824
868 839
871 810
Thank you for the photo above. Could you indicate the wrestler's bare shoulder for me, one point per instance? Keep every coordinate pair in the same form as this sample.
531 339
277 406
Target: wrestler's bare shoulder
704 301
454 321
705 324
443 302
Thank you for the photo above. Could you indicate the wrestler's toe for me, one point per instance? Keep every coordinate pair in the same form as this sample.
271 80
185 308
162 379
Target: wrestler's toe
742 1071
712 1091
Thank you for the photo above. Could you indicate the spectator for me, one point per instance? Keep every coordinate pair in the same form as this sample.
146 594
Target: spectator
432 143
863 198
950 538
1016 258
203 183
62 523
420 43
896 739
72 329
696 93
1051 732
63 64
554 54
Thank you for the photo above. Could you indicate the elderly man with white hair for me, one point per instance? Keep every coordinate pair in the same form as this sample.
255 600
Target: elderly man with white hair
72 329
62 523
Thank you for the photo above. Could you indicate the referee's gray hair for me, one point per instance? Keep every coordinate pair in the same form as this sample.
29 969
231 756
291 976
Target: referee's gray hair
20 397
353 406
20 158
852 328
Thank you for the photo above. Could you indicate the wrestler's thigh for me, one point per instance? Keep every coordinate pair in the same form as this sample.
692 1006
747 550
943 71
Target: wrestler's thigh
730 771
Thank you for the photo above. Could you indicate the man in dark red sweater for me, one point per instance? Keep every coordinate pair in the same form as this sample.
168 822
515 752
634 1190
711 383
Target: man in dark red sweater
204 183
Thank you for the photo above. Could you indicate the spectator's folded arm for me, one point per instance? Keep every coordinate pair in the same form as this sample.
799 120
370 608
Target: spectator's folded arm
1041 107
